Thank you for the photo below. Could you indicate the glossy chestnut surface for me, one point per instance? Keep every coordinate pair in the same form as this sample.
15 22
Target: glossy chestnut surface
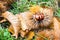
39 17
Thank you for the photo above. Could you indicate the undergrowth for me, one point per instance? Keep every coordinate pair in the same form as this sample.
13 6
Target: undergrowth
4 34
24 5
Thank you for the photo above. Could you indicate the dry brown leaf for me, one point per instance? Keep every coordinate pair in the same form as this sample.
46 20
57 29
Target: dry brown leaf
56 28
35 9
23 33
45 34
38 38
11 29
13 20
5 5
30 35
3 20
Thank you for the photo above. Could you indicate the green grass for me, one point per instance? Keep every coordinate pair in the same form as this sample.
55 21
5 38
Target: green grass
4 34
24 5
57 13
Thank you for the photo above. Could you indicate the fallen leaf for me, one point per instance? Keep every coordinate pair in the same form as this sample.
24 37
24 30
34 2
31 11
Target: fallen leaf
22 33
13 20
56 28
3 20
38 38
30 35
35 9
11 29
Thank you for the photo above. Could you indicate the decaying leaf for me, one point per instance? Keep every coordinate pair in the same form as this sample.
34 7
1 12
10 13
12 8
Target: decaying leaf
45 35
11 29
4 5
56 29
3 20
30 35
13 20
23 33
38 38
35 9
